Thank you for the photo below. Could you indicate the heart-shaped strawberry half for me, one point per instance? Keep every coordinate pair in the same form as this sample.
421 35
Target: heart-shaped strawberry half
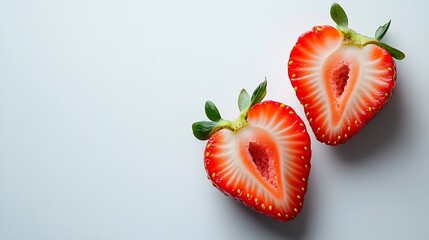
341 77
261 159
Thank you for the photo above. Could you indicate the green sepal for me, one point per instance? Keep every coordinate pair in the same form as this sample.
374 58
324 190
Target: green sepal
381 31
203 130
212 112
393 51
259 93
243 100
351 37
339 15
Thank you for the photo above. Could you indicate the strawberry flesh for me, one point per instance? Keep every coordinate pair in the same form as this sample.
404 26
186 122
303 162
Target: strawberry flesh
341 86
265 164
339 78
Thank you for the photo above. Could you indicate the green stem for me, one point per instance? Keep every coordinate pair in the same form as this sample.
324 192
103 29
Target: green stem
352 37
237 124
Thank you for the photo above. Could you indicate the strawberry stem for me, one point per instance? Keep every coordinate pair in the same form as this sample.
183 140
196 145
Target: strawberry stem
237 124
203 130
351 37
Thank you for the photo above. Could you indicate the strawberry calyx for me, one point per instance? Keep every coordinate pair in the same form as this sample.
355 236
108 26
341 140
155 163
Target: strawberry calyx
203 130
352 37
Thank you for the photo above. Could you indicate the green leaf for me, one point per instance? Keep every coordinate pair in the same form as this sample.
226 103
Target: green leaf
393 51
211 111
381 31
243 100
259 93
339 15
203 129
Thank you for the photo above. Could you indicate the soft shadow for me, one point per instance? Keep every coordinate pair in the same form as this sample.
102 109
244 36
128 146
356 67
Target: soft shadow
377 135
293 229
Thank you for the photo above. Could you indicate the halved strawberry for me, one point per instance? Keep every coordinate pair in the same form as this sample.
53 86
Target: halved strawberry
341 77
261 159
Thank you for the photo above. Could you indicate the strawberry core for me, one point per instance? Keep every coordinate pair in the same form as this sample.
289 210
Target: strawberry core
339 78
263 162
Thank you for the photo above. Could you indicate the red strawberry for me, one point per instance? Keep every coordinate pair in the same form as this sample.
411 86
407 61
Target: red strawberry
341 77
261 159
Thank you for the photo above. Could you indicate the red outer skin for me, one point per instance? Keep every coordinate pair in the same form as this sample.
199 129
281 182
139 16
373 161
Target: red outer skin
313 41
297 179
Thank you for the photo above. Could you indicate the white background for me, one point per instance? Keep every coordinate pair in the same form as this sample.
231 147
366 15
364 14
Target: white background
97 99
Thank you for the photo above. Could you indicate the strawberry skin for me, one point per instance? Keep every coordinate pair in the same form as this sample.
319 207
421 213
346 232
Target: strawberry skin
261 159
266 164
341 82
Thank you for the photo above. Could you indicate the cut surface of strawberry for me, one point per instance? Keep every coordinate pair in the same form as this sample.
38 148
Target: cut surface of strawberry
265 161
341 78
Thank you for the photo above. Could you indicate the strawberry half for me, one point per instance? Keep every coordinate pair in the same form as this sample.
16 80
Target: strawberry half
261 159
341 77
